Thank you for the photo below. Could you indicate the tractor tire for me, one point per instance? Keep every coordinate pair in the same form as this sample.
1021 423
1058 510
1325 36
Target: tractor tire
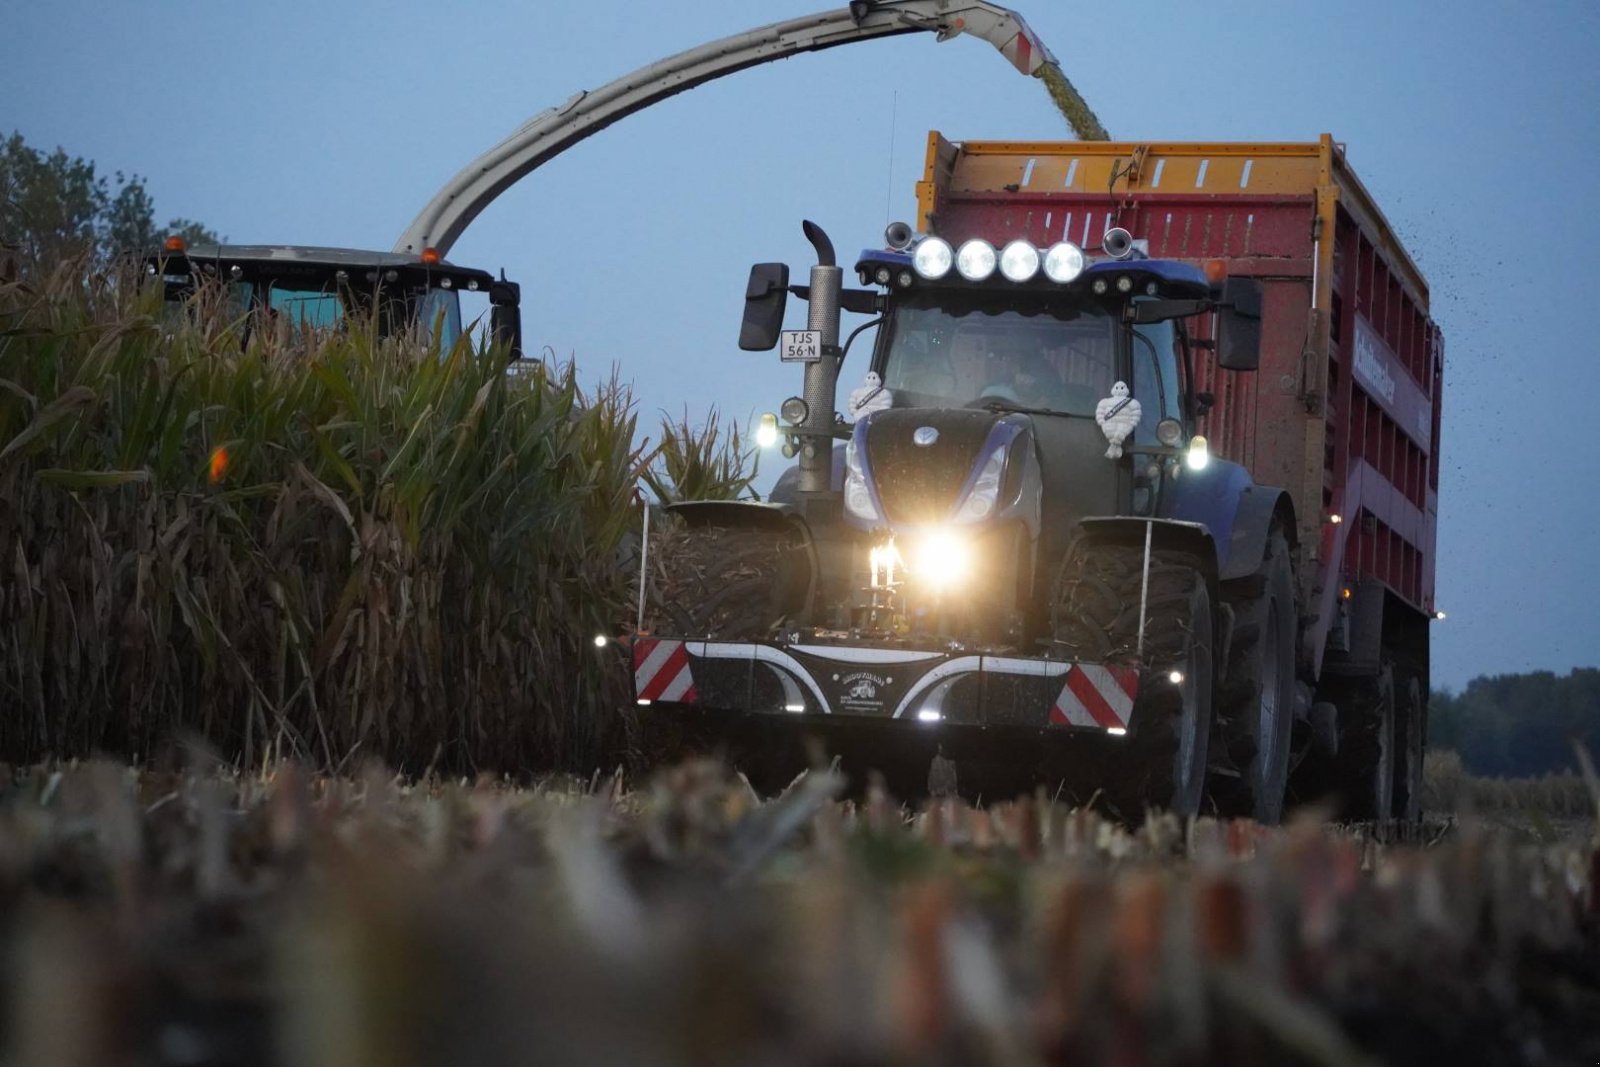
730 583
1257 696
1096 620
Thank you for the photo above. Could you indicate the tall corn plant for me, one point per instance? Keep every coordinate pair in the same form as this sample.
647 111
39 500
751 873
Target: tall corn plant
701 462
305 545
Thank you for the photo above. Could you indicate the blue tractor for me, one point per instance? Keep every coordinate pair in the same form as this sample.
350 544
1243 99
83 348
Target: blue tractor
1010 544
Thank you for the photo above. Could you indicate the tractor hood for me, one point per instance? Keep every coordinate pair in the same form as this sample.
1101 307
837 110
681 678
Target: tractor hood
919 467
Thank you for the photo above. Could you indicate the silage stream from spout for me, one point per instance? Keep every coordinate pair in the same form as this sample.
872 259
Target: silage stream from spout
1072 104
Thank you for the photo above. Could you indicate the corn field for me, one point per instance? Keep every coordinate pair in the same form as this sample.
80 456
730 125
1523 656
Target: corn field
312 545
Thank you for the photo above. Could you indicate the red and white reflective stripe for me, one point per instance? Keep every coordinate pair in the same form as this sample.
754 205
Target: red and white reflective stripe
1026 52
661 671
1096 696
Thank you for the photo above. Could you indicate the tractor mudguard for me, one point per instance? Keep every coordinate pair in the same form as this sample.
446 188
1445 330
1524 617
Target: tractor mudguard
753 513
1209 497
1190 537
1252 521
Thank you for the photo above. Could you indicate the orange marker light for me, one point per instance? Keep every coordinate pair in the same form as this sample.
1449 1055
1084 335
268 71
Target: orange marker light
1345 592
431 255
1216 271
175 243
219 464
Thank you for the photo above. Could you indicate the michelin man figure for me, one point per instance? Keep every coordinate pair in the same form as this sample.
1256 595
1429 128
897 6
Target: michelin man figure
1117 415
868 397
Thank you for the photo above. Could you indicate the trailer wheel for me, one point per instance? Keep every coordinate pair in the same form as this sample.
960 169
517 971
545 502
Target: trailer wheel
1258 692
1410 740
728 582
1096 620
1365 767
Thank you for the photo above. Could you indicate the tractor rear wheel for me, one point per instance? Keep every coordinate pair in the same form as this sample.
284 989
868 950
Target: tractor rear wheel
1096 620
1258 692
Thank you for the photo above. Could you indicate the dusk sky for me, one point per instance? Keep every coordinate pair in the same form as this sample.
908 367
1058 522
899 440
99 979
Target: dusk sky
1476 126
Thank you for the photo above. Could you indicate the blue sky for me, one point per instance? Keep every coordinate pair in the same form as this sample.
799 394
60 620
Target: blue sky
1473 124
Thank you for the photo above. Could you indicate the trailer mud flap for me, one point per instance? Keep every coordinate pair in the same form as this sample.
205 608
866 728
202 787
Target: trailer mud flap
881 683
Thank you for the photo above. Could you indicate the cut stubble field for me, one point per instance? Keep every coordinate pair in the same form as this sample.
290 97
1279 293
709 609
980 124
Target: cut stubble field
209 916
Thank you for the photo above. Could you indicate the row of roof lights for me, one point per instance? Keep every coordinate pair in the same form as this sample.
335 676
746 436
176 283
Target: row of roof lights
976 260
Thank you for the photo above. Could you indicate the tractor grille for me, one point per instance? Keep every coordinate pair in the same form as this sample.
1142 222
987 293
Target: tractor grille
919 484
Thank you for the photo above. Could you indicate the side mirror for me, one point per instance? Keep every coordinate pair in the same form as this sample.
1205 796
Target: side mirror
505 317
1239 325
765 297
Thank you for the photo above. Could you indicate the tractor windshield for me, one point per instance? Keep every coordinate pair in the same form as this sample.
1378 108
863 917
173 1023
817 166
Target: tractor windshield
949 350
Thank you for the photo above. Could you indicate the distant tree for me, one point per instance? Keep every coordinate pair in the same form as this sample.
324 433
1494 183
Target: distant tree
1519 725
55 206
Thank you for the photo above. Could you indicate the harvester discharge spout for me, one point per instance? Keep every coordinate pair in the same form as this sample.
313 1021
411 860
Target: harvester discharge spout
556 129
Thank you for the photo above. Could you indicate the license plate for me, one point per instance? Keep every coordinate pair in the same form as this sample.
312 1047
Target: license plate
801 346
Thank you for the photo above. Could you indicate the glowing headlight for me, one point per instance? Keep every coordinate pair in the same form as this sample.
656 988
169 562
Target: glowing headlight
933 258
857 497
985 489
1019 261
941 559
976 260
767 430
1198 455
1064 262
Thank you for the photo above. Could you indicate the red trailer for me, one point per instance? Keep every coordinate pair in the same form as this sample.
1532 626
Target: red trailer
1344 411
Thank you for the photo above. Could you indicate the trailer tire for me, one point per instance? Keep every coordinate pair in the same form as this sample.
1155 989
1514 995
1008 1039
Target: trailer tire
1096 620
1257 696
1410 742
733 583
1365 767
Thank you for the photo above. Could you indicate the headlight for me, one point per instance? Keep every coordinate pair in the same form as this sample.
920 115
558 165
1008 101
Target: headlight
1199 455
942 559
1064 262
767 431
1169 432
1019 261
933 258
857 497
976 260
794 411
980 503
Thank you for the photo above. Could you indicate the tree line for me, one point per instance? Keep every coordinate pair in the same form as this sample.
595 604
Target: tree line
55 207
1519 725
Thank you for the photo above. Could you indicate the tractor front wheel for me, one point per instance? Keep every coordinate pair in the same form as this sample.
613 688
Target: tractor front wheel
1096 620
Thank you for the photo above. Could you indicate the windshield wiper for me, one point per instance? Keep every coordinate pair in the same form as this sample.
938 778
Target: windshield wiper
999 406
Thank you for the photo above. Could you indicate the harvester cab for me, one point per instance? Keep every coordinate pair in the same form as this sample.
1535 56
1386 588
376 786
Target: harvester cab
296 287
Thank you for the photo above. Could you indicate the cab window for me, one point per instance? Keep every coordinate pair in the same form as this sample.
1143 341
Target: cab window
305 309
1156 383
441 307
